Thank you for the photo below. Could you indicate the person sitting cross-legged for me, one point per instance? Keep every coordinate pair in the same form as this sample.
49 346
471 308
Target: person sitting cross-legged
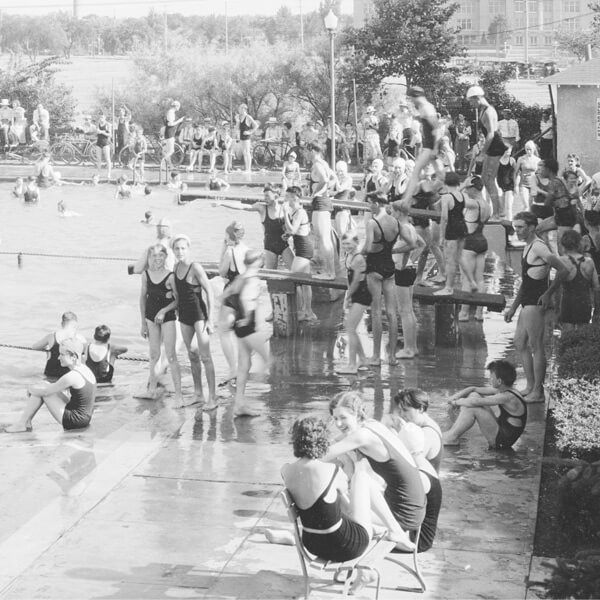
499 410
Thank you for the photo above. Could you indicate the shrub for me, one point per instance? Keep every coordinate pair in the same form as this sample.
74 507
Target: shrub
578 353
577 415
577 578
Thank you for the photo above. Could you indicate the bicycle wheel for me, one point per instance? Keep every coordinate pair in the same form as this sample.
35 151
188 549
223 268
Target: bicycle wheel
263 157
89 154
63 153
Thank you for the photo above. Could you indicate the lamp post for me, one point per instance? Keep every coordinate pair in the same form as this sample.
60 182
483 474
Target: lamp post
331 22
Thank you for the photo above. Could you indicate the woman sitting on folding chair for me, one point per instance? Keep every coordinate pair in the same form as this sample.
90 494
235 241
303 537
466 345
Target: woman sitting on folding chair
318 489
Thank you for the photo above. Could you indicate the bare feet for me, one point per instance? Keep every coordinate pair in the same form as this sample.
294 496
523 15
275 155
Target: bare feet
365 577
279 536
210 405
375 362
347 370
449 441
18 428
406 354
182 402
243 410
446 291
402 540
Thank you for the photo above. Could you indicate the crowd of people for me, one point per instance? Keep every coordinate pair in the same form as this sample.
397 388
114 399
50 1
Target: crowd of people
316 233
16 128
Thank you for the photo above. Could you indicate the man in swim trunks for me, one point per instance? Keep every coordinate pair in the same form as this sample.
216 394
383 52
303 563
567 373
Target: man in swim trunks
247 126
534 298
493 147
430 135
272 217
498 409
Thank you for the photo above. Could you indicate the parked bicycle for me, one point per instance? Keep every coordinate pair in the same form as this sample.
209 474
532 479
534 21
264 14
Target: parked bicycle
154 154
269 155
25 153
73 150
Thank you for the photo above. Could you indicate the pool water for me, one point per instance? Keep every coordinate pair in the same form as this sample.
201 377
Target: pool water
100 291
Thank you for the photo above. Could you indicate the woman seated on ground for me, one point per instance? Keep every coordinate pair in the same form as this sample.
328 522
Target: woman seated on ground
413 438
231 265
158 301
333 528
73 410
388 457
410 406
499 410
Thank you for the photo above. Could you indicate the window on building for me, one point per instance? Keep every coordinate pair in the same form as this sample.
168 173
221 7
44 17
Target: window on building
465 23
533 40
466 7
548 40
496 7
548 7
518 40
571 25
571 6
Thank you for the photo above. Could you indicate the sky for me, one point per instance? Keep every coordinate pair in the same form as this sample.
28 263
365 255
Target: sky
137 8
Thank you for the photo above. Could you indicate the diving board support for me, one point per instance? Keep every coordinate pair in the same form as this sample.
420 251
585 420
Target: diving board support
285 306
446 325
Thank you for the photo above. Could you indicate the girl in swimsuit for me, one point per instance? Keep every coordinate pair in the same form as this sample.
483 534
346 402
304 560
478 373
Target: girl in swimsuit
343 190
103 145
73 410
499 410
389 458
297 226
210 145
195 317
525 171
410 406
358 299
242 296
231 265
331 528
290 174
158 301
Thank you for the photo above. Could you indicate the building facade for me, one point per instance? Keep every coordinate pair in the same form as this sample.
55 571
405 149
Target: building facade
526 28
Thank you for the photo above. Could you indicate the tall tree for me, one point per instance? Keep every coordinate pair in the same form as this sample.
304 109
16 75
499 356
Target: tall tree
405 37
576 42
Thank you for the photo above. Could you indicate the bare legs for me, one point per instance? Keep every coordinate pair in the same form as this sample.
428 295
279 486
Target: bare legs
453 253
472 266
377 285
198 358
227 339
254 342
529 342
404 303
321 221
55 403
304 293
468 416
356 354
168 333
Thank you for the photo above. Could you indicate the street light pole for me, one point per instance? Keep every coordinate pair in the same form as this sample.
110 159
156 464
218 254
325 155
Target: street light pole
331 22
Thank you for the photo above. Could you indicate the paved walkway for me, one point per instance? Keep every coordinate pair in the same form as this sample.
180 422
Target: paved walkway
149 503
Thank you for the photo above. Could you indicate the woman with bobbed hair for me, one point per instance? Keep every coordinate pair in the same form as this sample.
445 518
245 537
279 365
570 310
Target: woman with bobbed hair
410 406
388 457
334 527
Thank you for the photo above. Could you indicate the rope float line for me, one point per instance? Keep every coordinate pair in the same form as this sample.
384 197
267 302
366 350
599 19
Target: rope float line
16 347
76 256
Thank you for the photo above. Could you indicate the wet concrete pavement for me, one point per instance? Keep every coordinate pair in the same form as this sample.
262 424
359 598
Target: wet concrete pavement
150 503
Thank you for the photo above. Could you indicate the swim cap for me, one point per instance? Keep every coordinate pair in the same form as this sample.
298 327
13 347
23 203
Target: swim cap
475 90
180 236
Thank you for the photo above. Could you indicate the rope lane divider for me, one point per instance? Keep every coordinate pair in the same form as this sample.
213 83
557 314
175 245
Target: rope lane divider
17 347
76 256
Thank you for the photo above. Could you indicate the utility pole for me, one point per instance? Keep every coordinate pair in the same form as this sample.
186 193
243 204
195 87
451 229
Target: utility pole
165 31
526 40
301 27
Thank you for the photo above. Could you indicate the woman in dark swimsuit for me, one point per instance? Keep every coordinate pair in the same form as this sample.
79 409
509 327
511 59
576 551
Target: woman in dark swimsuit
242 296
329 530
499 410
73 410
388 457
358 299
158 301
195 319
231 265
297 226
103 144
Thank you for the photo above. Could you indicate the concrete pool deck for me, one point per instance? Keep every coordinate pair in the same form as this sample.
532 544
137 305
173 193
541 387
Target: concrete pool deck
149 503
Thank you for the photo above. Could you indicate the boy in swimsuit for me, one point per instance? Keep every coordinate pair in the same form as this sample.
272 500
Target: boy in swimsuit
498 409
101 356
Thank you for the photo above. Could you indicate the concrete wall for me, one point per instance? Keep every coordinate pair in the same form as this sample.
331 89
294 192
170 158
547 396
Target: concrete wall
577 125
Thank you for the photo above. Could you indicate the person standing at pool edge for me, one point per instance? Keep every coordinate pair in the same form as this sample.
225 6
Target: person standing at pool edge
195 317
103 145
534 299
247 126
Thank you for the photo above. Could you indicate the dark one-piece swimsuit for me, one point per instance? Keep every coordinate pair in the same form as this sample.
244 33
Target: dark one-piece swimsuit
508 433
274 230
381 261
362 295
102 369
191 304
348 541
158 295
303 246
79 409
